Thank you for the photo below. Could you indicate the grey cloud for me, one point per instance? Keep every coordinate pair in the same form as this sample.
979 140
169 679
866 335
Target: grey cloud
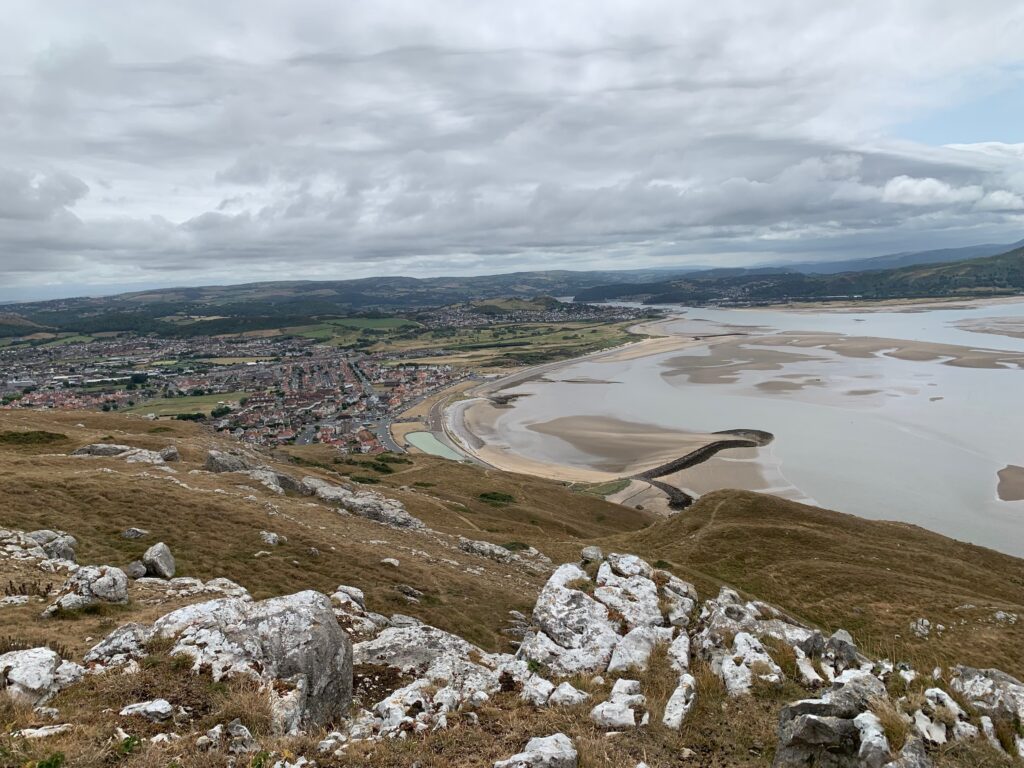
443 138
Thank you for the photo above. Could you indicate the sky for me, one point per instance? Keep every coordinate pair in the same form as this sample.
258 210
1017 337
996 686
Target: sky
190 143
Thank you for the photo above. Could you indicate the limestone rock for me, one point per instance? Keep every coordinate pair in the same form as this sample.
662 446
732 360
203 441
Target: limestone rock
35 675
555 751
874 746
170 453
272 539
58 545
134 533
681 702
990 691
368 504
157 710
220 461
574 633
634 597
159 561
135 569
565 695
622 706
292 644
89 585
102 449
749 660
634 650
591 555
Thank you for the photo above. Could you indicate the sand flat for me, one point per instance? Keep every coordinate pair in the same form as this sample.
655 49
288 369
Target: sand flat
1011 483
624 447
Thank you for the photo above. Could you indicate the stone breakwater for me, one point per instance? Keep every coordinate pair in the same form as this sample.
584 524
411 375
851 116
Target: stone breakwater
595 627
679 499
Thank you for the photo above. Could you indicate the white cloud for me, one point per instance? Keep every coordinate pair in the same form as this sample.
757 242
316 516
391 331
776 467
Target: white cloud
905 190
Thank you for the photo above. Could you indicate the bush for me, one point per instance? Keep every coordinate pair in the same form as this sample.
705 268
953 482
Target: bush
497 497
190 417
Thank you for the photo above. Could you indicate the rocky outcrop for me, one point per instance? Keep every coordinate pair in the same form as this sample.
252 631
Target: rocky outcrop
126 452
368 504
222 461
544 752
35 675
527 557
57 545
159 561
90 585
292 644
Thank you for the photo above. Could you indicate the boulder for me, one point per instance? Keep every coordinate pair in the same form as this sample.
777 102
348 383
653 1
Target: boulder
134 533
272 539
555 751
990 691
621 708
874 748
749 660
634 597
135 569
292 644
574 632
591 555
170 453
221 461
35 675
159 561
90 585
18 546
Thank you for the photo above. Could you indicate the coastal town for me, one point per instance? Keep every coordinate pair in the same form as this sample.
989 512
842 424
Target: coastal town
271 390
261 391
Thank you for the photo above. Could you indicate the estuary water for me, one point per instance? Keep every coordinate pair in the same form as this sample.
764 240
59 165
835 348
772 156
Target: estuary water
888 414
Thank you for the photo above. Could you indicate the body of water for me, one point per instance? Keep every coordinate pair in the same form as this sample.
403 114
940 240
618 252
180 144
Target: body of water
856 429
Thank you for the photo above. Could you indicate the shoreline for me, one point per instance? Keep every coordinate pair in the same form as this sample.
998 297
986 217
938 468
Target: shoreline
464 433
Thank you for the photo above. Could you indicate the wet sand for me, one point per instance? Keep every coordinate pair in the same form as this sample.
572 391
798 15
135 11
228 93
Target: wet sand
622 447
1010 327
1011 483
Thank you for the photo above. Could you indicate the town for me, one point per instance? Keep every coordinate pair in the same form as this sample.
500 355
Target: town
271 390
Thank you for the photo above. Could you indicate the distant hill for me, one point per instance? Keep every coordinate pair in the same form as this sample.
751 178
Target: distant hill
990 276
905 259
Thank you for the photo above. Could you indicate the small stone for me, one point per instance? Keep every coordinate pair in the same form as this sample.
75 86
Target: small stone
134 533
391 561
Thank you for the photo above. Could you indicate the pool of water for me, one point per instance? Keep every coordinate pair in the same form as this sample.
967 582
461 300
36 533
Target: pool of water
426 442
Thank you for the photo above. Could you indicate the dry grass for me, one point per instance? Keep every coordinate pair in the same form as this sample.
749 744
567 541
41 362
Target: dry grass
828 569
895 727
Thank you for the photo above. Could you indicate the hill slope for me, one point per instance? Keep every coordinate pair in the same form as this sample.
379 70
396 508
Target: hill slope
824 568
990 276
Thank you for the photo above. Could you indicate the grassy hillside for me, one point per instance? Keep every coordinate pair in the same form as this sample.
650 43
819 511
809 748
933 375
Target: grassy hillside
830 569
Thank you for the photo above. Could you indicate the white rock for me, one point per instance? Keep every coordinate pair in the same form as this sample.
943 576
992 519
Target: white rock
36 675
272 539
575 633
157 710
634 597
536 690
634 650
629 565
680 702
89 585
159 561
43 732
565 695
934 732
679 653
738 670
614 715
555 751
874 746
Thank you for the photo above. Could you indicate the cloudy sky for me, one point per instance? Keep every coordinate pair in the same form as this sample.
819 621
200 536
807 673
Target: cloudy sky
207 142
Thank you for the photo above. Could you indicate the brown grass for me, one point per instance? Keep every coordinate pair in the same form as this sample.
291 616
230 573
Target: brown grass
895 727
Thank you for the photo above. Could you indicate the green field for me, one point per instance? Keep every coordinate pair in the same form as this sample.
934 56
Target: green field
374 323
172 406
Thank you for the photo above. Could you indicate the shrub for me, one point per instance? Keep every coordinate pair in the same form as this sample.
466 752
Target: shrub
496 497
